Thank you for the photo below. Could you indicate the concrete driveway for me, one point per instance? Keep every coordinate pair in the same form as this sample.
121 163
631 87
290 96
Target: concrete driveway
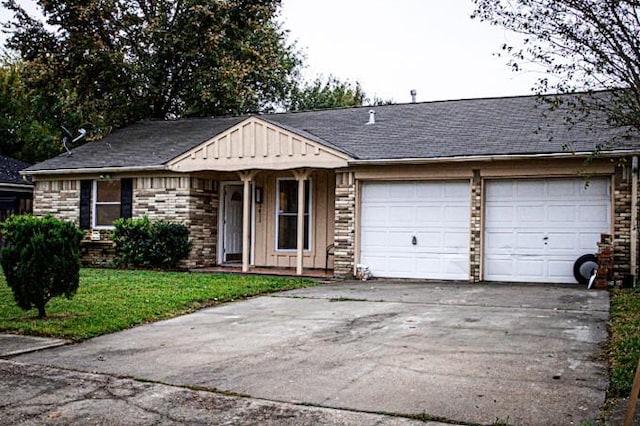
529 354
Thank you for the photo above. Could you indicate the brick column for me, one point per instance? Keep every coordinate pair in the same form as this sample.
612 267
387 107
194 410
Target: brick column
475 243
345 225
621 222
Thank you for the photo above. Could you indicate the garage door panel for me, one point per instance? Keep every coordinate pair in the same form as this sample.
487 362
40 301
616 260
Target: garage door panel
529 241
588 240
593 213
531 189
456 190
562 242
402 214
428 192
499 266
562 213
401 191
500 241
435 213
429 239
562 189
557 269
531 213
499 216
374 216
428 213
455 240
458 213
556 221
400 265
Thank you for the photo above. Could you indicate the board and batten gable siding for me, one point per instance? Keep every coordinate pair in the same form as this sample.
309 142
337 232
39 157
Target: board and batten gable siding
322 222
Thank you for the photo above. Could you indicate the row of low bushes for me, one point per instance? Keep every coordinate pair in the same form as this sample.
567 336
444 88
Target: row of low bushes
40 256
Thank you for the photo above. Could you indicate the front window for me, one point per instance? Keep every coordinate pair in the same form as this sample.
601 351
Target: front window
106 204
287 214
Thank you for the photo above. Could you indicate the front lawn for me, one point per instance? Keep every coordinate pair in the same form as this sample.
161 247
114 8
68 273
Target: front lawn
113 300
624 346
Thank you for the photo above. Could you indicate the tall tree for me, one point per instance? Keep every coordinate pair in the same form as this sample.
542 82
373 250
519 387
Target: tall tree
329 93
107 63
584 45
22 135
321 94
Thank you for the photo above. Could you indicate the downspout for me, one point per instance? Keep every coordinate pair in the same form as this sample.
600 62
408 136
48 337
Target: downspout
634 219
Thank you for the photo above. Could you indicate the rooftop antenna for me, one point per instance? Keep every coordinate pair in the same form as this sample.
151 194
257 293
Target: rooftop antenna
67 137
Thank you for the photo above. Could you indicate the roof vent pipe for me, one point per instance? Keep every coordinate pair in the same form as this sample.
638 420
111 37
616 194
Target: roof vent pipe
413 96
372 117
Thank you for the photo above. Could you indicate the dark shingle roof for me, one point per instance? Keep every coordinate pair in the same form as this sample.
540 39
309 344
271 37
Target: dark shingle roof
147 143
472 127
10 170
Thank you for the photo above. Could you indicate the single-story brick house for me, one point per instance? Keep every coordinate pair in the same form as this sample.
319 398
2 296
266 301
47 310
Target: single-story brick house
16 194
478 189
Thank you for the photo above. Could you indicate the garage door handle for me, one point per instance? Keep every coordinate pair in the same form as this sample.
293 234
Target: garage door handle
414 240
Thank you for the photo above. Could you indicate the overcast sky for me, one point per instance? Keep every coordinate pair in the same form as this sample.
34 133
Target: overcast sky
393 46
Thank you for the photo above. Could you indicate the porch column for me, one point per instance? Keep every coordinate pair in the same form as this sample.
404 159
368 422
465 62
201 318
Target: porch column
246 177
301 176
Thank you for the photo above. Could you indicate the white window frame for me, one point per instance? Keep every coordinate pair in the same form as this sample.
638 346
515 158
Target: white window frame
277 216
94 204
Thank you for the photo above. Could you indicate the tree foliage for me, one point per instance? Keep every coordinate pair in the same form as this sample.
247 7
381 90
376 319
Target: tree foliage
584 45
329 93
40 259
321 94
22 134
102 64
142 243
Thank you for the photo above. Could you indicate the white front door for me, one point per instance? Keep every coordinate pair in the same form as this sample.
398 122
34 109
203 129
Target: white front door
535 229
416 229
232 224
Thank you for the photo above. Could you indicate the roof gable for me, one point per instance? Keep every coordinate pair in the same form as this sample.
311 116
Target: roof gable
258 144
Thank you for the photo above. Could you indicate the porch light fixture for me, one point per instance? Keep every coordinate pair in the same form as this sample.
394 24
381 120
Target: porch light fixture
258 195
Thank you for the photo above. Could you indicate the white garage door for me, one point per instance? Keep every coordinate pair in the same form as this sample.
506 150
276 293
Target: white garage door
416 229
536 229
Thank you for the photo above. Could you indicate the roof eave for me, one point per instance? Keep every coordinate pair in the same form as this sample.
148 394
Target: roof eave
85 170
493 157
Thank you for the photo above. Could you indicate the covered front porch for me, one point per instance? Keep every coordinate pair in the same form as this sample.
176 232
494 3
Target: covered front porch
275 198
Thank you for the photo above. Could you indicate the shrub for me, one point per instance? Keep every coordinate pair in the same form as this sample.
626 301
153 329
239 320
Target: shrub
40 259
142 243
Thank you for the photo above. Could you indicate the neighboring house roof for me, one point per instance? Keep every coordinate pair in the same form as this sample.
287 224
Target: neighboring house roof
472 127
10 171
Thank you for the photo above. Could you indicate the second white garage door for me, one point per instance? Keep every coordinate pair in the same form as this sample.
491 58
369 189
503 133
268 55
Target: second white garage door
536 229
416 229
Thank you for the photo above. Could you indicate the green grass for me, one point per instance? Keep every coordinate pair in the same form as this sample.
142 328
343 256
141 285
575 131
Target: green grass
624 346
112 300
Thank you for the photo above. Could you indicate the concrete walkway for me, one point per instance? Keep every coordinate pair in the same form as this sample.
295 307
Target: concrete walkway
529 354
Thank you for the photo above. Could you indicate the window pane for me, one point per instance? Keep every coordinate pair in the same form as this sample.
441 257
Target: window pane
288 196
288 232
288 214
109 191
106 214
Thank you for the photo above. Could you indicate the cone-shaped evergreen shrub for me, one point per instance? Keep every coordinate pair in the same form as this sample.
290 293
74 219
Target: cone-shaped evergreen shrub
40 259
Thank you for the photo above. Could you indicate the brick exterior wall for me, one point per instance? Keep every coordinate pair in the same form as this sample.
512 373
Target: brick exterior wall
345 225
621 222
475 247
60 198
188 200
